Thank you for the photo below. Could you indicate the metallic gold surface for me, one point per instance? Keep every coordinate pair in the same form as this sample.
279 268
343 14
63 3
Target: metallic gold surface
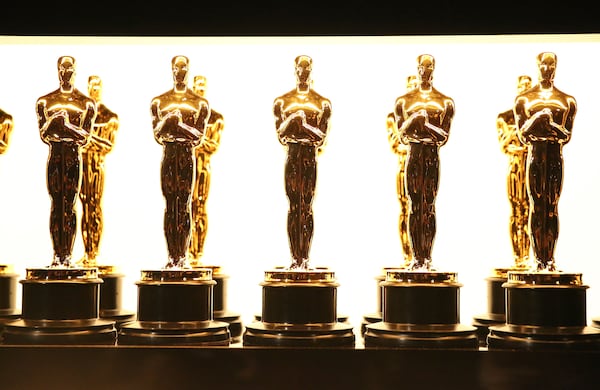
58 274
101 143
65 118
502 273
6 269
210 144
430 278
6 128
423 117
302 122
545 118
179 117
401 149
317 275
106 269
198 275
518 197
544 279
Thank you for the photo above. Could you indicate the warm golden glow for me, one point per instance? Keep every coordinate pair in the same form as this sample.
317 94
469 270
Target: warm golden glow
101 143
320 276
185 276
65 118
545 118
423 116
516 180
527 279
428 278
302 121
209 145
83 275
179 117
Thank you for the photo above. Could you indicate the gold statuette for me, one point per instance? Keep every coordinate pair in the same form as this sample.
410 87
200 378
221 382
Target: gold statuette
92 187
544 116
65 118
423 116
302 120
209 145
6 128
401 149
518 197
179 117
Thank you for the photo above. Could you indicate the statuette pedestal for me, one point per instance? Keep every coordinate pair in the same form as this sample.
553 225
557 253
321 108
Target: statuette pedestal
111 294
299 309
60 306
545 310
420 310
175 307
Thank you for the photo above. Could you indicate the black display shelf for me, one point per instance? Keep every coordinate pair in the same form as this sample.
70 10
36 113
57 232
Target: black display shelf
237 367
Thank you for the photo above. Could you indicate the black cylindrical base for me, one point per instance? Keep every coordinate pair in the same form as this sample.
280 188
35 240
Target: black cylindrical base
406 336
546 306
59 332
370 318
496 302
8 295
111 296
534 338
220 292
234 320
420 310
175 308
220 312
299 309
343 318
174 302
544 310
421 304
483 322
60 306
190 333
336 334
60 294
299 304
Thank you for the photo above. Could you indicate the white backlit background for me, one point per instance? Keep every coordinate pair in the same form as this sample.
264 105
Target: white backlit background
355 208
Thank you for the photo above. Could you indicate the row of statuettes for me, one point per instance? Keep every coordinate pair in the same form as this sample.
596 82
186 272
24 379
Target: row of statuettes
71 122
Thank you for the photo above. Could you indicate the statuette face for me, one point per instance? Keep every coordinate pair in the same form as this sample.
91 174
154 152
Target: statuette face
179 119
65 119
544 116
302 122
423 118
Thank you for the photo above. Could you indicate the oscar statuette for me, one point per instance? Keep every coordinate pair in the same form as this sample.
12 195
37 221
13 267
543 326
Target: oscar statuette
420 305
203 152
8 278
518 198
299 302
60 303
545 306
101 143
401 150
175 303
